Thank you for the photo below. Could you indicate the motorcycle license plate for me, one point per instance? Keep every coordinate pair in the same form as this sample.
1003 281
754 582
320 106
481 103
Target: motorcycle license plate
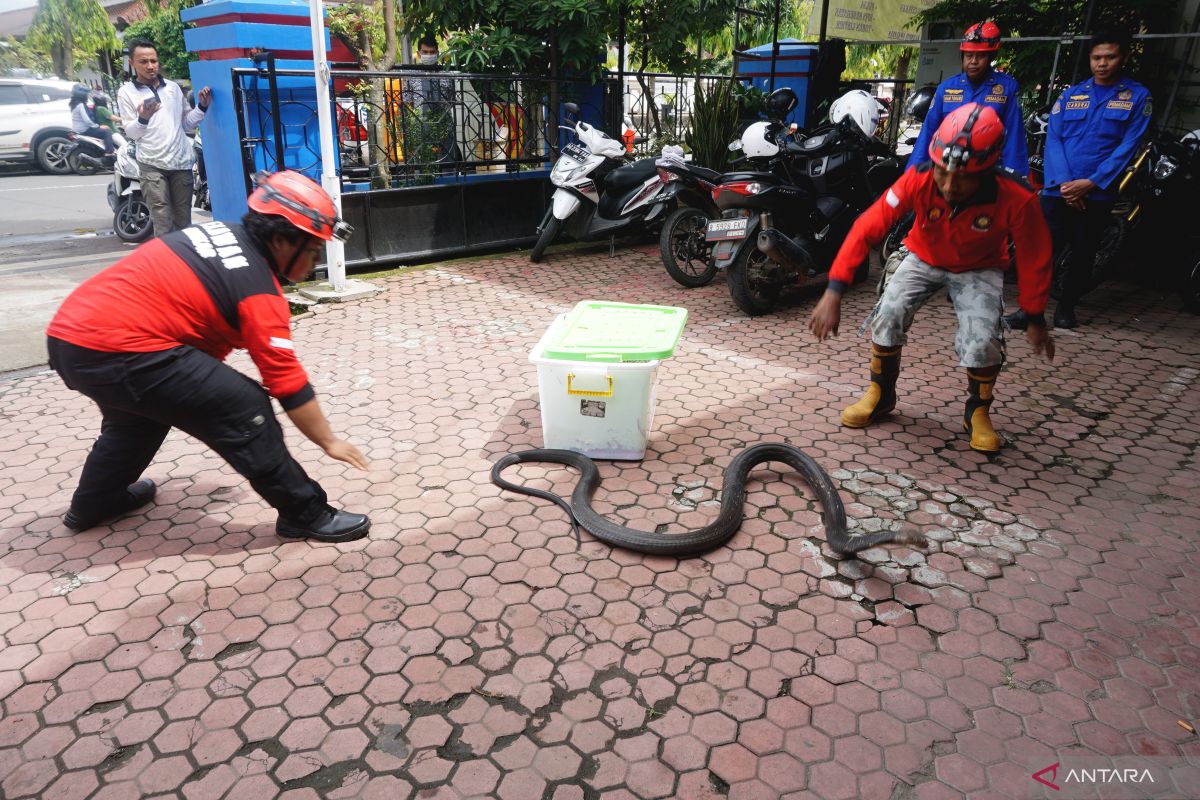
576 152
720 230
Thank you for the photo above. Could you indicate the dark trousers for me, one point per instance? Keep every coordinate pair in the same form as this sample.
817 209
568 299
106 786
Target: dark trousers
168 193
143 395
96 132
1081 232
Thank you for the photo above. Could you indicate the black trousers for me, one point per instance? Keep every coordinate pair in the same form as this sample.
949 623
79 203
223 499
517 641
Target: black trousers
1081 231
143 395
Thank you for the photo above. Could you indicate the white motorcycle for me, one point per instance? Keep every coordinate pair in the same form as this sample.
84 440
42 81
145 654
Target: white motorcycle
621 197
131 215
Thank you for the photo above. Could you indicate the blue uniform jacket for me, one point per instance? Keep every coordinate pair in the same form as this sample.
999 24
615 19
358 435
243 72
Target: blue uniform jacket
1094 131
999 91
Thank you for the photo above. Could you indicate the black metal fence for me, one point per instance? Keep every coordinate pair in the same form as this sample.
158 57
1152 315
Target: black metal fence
414 127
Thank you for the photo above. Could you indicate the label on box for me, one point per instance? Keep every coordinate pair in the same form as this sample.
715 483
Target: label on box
591 408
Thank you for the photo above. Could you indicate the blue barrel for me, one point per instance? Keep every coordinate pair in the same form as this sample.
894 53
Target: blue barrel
793 68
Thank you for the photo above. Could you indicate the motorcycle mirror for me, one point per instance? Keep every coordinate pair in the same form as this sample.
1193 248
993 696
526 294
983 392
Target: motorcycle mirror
571 108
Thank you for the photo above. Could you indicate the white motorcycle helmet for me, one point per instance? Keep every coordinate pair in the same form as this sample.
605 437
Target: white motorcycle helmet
757 141
859 107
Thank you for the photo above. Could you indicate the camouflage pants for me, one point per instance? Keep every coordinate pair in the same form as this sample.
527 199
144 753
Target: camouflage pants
978 297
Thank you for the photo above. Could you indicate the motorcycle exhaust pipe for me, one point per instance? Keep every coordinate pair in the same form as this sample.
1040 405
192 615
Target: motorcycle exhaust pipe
95 162
784 251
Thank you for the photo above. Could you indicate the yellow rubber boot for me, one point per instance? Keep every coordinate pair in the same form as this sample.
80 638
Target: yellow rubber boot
880 397
976 419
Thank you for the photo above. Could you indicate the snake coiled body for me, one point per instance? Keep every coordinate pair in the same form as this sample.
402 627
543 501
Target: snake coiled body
733 497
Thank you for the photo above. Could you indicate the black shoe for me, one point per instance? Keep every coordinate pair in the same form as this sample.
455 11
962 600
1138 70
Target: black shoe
1064 317
136 496
330 526
1018 320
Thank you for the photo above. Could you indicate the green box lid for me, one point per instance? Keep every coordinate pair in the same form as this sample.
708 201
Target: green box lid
598 331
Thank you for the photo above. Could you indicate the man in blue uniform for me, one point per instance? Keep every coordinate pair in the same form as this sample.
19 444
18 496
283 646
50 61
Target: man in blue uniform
978 83
1095 129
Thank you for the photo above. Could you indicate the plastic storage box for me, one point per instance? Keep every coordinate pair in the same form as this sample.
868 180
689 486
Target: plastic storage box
597 368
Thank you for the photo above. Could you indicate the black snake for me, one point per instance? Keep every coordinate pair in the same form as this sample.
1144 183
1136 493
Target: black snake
733 496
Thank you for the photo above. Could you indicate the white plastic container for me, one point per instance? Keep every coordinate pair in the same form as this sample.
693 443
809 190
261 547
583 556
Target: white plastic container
603 410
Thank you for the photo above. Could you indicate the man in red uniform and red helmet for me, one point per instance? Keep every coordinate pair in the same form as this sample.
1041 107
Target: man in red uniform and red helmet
146 340
966 209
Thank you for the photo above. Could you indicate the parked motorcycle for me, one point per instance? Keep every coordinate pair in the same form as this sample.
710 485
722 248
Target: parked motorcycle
598 194
131 215
778 232
686 254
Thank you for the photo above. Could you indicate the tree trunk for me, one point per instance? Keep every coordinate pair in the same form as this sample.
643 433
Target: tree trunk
899 95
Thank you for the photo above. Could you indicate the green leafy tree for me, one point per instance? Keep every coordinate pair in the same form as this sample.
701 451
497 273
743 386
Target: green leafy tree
546 37
164 28
16 55
71 31
1030 63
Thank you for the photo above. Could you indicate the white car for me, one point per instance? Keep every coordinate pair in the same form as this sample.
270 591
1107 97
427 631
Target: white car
35 122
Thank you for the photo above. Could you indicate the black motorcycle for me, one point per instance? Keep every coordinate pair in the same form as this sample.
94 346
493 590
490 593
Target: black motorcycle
776 233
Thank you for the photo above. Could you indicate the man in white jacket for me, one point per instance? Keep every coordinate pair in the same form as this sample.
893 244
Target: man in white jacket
159 117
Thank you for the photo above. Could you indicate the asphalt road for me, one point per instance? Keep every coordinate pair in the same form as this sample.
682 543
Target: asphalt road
55 232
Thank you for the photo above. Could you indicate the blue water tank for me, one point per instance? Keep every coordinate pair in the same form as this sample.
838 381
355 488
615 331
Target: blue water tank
793 68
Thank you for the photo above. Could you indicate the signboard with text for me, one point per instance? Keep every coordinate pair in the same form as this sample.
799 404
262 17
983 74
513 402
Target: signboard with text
870 20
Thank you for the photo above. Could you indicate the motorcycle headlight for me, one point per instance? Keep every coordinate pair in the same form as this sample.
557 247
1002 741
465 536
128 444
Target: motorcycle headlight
754 188
1165 168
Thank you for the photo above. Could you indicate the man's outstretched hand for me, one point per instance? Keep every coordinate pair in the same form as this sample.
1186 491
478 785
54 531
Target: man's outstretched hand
826 316
1040 339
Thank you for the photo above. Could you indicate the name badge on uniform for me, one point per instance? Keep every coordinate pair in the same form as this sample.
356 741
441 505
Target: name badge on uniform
1072 104
952 96
1123 105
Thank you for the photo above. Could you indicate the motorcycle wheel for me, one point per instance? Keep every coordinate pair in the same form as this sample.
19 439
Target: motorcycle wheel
131 221
547 237
80 165
750 284
685 254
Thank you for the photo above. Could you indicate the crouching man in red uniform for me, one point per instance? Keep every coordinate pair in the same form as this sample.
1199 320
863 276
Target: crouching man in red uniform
966 210
146 339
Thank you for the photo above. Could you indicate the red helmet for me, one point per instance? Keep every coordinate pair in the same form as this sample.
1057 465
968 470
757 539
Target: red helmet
968 140
299 200
982 37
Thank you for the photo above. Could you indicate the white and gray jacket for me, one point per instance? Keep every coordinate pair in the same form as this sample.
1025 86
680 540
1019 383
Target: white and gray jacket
162 139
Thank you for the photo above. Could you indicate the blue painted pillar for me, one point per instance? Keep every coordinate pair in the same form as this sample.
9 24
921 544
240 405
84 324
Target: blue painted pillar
227 34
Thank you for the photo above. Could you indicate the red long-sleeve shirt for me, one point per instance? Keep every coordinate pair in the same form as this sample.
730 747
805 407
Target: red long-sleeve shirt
206 286
972 235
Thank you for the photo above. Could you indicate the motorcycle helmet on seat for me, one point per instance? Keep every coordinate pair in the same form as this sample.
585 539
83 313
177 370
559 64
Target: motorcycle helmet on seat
781 102
968 140
858 106
918 103
299 200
